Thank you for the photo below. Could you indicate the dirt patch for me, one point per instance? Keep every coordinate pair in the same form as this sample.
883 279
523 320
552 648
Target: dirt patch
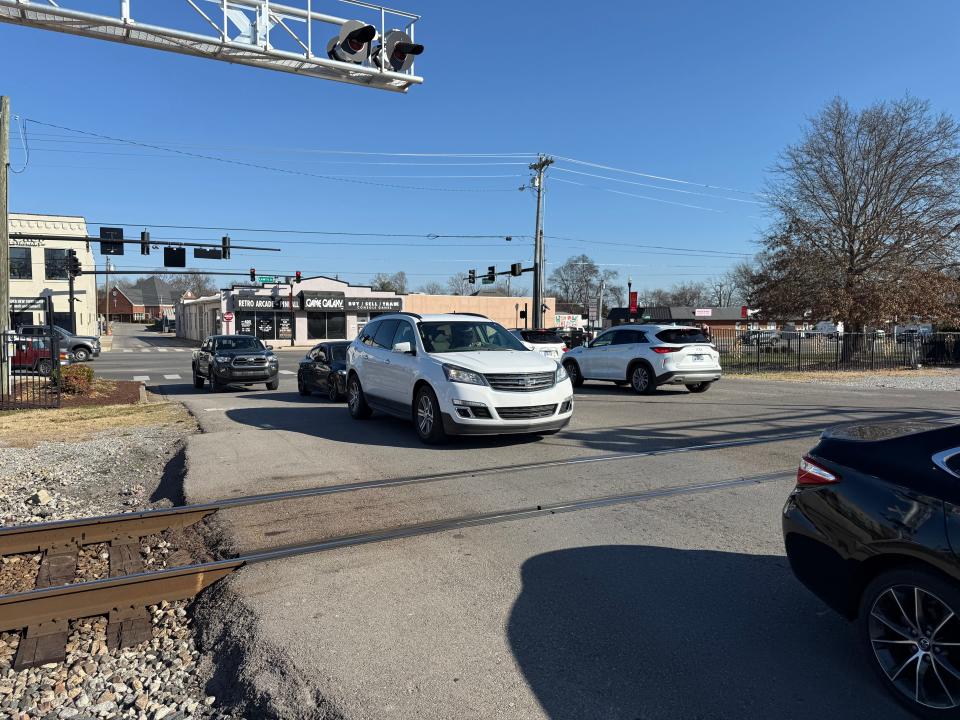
842 376
27 428
105 392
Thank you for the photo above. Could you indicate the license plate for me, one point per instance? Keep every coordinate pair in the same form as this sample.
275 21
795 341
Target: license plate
247 373
699 358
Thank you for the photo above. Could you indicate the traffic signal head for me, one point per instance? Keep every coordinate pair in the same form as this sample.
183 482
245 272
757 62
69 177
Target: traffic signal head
225 252
298 277
144 243
73 264
491 273
472 277
398 51
353 43
253 275
516 269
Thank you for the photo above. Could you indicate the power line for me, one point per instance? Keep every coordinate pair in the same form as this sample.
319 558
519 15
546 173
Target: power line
658 187
269 168
641 197
657 177
719 253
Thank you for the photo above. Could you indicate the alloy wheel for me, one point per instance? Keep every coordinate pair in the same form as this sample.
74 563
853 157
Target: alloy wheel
333 389
354 396
915 638
640 378
425 415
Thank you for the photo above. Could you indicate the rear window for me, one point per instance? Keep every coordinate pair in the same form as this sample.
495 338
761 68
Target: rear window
541 338
679 336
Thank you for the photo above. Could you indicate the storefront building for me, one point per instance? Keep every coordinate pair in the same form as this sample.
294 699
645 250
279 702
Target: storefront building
38 269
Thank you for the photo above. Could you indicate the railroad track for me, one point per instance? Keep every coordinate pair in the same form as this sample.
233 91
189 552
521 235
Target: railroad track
42 615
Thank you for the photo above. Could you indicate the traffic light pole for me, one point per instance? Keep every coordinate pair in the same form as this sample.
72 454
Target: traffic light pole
538 255
72 299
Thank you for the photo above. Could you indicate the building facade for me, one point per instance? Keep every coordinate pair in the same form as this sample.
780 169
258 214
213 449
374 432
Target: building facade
38 269
322 308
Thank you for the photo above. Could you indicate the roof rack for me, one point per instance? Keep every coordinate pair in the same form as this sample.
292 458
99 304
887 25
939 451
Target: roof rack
404 312
471 314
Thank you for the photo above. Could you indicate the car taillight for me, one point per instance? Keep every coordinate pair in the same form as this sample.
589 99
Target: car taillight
565 348
809 473
664 350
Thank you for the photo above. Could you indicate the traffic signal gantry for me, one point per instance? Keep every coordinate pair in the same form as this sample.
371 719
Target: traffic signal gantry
516 269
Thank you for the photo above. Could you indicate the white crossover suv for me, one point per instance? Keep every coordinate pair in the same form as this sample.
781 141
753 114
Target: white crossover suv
455 374
543 341
647 356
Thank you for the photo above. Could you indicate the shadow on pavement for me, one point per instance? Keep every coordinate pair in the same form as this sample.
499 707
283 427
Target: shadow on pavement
635 632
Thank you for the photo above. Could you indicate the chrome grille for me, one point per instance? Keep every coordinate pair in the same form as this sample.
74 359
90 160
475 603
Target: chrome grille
249 361
521 382
526 413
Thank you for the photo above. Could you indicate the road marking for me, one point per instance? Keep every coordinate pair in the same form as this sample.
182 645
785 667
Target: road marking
287 372
179 350
142 378
172 377
146 350
161 349
126 350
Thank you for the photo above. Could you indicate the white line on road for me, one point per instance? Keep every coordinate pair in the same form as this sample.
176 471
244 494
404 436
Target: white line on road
179 349
127 350
143 378
287 372
146 350
161 349
172 377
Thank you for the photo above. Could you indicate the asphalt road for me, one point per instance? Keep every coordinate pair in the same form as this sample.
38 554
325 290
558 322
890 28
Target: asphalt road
676 606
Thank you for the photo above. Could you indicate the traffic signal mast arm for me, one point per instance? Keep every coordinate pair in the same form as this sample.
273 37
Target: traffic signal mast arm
516 269
139 241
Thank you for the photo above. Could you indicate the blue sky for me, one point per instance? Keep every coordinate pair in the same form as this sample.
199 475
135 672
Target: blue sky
707 92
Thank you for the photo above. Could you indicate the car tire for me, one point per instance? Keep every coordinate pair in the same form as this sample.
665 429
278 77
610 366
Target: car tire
642 379
333 388
215 385
939 597
302 387
573 371
273 384
197 380
427 418
701 387
356 400
44 367
81 354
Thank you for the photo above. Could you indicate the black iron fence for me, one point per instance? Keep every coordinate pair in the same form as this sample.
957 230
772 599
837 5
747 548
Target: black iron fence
30 372
780 350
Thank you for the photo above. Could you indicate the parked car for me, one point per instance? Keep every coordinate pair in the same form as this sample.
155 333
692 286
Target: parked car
234 359
647 356
83 347
455 374
873 528
547 342
34 355
324 368
573 337
764 338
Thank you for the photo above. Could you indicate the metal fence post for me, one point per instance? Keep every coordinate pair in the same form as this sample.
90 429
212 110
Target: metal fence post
758 352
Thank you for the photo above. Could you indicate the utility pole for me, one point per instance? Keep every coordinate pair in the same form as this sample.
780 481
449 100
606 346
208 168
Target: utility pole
106 297
4 240
539 167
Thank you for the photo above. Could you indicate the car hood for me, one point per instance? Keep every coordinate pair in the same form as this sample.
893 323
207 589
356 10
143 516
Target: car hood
245 353
85 338
499 361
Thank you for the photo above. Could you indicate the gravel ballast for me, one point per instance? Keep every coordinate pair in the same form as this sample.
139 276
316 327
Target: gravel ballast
115 471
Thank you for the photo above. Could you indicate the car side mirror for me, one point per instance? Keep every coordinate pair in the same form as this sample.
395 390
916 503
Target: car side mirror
269 347
403 347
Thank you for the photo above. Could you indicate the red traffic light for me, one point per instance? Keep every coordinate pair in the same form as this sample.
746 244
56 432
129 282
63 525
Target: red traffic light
253 275
298 277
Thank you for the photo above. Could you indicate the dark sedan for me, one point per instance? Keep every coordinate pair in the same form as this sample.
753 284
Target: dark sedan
873 528
324 368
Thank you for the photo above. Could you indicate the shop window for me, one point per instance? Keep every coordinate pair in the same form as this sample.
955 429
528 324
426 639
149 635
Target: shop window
21 267
336 326
55 263
326 326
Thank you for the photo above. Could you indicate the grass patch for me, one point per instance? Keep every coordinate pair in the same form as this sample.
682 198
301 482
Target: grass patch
27 428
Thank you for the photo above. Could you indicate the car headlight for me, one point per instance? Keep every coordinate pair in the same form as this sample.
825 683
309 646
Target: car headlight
561 374
221 358
462 375
272 360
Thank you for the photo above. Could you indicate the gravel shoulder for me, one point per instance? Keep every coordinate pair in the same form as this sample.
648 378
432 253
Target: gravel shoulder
89 461
930 379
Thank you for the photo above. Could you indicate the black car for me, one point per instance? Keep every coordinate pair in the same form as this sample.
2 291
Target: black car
83 347
873 529
324 368
234 360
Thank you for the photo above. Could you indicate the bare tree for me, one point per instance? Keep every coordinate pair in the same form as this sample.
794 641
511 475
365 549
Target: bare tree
577 282
397 282
433 288
867 206
458 285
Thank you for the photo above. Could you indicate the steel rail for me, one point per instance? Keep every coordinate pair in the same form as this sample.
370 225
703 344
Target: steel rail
99 597
17 539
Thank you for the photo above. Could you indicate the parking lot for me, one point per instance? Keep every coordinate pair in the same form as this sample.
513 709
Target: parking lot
612 611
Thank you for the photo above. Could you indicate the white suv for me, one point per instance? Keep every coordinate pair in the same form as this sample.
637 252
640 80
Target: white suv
647 356
455 374
543 341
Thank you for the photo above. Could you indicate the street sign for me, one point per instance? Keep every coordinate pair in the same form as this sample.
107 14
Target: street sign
592 310
266 279
228 317
486 280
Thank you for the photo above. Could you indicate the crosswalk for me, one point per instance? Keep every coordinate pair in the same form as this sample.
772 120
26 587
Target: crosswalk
151 350
174 376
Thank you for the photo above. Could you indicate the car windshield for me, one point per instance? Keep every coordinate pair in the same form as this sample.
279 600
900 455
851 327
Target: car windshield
538 337
680 336
239 342
339 353
466 336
